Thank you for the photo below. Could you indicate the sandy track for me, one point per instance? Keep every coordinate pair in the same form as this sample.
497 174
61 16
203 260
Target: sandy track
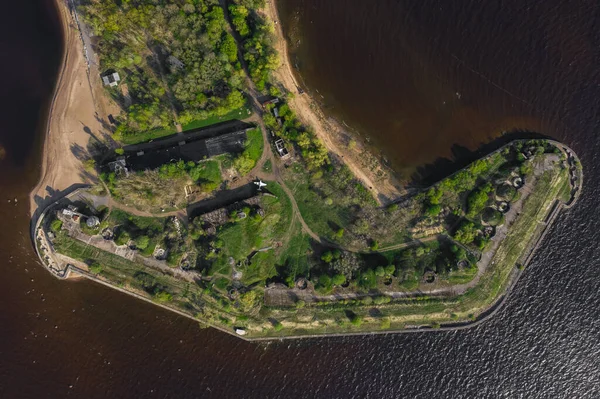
72 110
383 185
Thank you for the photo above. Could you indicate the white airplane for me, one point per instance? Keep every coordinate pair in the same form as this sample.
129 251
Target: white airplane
260 184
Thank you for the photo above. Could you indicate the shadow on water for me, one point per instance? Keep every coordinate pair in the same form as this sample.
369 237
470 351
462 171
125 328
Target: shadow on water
461 156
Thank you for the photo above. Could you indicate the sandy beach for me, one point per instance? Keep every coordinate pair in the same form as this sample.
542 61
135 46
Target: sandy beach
378 178
72 121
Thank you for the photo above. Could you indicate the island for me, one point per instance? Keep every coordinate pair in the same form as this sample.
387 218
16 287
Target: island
213 186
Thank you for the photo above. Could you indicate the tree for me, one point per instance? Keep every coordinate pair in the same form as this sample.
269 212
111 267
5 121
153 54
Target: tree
390 269
327 257
465 233
477 199
325 281
339 279
374 245
380 271
56 225
95 268
347 264
433 210
368 279
142 242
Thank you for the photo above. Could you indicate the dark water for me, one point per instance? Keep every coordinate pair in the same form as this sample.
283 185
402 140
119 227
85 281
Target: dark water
77 339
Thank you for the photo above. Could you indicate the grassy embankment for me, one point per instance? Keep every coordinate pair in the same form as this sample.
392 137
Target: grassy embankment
142 137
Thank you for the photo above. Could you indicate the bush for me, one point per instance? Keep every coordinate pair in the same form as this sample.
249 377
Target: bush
390 269
367 300
163 296
95 268
327 257
380 271
368 279
325 281
433 210
142 242
477 199
300 304
465 233
385 323
339 279
277 326
492 216
506 192
56 225
355 319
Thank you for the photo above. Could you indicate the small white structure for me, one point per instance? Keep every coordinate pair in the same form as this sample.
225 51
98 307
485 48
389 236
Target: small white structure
240 331
111 79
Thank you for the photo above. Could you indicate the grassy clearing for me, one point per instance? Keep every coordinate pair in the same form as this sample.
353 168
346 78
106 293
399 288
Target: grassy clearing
239 113
208 171
240 238
462 276
142 137
253 150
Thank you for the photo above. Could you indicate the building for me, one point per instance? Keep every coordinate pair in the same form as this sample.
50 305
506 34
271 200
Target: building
111 79
281 150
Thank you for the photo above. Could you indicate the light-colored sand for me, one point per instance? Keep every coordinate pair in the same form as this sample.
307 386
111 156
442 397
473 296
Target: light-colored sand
366 167
72 110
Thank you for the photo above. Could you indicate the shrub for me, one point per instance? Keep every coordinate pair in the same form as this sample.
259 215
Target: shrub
339 279
465 233
380 300
368 279
95 268
300 304
433 210
142 242
277 326
385 323
56 225
355 319
325 281
477 199
327 257
380 271
367 300
390 269
163 296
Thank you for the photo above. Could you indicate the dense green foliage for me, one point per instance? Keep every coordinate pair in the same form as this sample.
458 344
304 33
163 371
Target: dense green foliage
176 59
257 40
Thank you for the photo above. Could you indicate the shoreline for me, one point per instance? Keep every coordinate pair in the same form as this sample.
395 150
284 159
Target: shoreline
63 173
71 271
381 181
71 122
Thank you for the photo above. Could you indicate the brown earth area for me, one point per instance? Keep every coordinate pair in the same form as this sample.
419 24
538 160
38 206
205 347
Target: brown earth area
77 114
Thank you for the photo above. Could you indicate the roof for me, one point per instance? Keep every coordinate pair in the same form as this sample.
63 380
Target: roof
111 79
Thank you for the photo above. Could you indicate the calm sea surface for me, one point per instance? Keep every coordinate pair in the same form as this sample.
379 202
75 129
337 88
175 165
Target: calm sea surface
393 70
